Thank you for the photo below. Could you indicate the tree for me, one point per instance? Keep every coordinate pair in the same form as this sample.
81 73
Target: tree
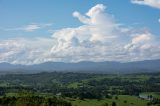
125 101
148 104
113 103
116 97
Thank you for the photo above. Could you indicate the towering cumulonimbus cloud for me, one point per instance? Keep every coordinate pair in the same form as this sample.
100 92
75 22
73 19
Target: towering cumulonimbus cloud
100 38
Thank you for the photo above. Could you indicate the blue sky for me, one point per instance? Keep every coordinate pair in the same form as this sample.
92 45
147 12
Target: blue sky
19 13
36 31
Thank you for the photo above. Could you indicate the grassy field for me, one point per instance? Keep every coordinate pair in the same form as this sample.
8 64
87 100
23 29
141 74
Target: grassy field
123 100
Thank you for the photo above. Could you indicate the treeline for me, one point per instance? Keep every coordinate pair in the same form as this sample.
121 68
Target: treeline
105 88
155 101
91 86
32 101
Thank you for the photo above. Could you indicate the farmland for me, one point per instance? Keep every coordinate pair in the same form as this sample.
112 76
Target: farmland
83 89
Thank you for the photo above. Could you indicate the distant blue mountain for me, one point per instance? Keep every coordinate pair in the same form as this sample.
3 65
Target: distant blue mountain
86 66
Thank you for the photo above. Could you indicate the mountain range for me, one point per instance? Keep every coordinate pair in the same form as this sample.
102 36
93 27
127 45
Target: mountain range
85 66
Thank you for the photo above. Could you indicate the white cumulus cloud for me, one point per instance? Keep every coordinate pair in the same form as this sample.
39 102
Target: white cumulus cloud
100 38
151 3
25 51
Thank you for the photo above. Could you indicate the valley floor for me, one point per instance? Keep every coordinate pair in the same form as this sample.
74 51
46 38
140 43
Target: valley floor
79 89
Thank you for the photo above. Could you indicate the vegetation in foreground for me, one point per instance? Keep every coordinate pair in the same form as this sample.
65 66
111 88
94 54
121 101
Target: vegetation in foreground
79 89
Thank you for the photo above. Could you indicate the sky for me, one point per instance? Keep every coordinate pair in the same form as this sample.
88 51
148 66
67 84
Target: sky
37 31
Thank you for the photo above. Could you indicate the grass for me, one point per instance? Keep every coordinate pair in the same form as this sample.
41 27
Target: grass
12 94
4 84
74 85
131 101
154 94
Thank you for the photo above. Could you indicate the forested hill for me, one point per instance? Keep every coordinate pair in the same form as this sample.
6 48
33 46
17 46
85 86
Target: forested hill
100 67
